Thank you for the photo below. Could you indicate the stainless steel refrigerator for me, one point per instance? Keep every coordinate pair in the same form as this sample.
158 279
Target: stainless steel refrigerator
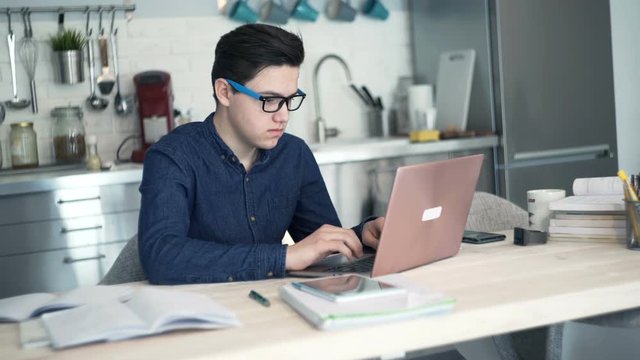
543 80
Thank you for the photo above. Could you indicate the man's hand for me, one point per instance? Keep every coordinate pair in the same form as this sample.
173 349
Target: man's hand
371 232
326 240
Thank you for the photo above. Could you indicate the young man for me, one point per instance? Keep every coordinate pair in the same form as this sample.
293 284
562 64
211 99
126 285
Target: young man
218 196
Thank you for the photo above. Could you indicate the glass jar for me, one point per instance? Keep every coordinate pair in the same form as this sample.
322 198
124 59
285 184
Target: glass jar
24 145
93 160
68 135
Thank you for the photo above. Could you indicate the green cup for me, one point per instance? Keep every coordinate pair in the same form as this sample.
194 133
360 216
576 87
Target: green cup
303 11
242 12
375 9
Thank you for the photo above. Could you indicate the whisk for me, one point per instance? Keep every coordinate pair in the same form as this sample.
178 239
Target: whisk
28 53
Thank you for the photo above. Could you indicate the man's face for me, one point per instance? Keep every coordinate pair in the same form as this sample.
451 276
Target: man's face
252 125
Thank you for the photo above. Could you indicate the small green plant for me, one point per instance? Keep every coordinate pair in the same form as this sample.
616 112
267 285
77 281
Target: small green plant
70 39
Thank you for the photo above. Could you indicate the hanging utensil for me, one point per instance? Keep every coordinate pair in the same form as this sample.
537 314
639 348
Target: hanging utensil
94 101
105 80
123 105
16 102
28 53
60 20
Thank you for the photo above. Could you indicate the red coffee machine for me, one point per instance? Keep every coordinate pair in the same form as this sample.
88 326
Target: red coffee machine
155 108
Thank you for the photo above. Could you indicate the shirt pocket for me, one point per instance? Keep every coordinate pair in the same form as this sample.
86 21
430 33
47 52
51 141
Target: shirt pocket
280 203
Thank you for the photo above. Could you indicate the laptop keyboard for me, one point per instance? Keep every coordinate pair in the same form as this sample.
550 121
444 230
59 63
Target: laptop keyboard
358 266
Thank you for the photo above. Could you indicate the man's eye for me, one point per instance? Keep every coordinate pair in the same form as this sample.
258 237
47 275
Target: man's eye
272 100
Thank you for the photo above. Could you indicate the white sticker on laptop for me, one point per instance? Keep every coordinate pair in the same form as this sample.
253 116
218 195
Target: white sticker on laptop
432 213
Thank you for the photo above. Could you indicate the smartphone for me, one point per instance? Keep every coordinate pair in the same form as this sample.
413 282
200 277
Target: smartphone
347 288
479 237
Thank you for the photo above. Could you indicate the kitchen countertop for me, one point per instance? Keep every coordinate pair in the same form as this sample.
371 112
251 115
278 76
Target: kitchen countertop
333 152
343 151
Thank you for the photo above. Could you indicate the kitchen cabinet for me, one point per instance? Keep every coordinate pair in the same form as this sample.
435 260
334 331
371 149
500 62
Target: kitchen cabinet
66 236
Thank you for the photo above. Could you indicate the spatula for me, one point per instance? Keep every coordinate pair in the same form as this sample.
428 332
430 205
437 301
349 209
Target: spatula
105 80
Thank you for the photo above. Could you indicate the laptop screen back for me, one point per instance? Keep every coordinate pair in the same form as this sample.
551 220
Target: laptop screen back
427 212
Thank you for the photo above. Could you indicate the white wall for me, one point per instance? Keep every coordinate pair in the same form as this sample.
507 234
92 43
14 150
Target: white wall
625 28
378 52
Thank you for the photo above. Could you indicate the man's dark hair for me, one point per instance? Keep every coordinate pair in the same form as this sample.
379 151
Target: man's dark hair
243 52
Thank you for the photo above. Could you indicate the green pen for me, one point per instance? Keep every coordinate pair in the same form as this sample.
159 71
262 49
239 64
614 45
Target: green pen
259 298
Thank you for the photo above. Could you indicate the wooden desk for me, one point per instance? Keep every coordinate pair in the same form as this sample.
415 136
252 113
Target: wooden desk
500 288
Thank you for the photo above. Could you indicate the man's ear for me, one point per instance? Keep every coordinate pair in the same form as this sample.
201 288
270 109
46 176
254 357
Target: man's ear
223 91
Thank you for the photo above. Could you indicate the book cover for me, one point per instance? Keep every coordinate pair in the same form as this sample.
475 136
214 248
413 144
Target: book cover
328 315
613 215
587 203
596 223
587 238
576 230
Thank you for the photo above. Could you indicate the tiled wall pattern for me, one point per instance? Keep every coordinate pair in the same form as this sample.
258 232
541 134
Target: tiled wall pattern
378 52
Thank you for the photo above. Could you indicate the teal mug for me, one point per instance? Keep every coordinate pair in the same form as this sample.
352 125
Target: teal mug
242 12
340 10
274 13
375 9
303 11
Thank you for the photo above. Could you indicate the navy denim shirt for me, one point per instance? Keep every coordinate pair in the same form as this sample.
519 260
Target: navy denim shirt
203 218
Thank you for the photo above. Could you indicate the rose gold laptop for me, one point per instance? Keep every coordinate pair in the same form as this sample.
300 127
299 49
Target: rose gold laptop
424 223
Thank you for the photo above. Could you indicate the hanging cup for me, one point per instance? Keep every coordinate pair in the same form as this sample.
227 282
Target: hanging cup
303 11
242 12
375 9
340 10
271 12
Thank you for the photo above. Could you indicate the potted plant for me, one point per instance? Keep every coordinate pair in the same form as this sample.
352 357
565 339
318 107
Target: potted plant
67 46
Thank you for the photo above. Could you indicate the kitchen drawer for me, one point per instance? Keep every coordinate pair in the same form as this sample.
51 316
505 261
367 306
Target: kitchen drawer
56 270
67 233
69 203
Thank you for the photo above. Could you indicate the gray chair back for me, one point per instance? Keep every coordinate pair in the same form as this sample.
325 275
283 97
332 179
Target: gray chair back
127 267
493 213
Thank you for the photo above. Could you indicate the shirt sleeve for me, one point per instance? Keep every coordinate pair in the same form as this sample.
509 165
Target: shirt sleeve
168 255
314 207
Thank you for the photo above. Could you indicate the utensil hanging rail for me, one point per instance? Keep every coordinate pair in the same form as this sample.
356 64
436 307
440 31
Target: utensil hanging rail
68 9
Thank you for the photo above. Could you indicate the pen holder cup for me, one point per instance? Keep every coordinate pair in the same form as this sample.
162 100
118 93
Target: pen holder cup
632 209
374 123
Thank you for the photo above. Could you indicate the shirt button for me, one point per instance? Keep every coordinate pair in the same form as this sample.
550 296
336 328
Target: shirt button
233 158
246 179
230 278
270 274
253 218
222 157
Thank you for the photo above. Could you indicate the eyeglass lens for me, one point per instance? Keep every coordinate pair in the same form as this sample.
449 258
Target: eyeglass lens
274 104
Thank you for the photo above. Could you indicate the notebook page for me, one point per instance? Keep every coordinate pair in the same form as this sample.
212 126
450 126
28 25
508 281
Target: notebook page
22 307
91 323
165 310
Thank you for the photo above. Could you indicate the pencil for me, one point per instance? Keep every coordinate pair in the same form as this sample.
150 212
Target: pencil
632 194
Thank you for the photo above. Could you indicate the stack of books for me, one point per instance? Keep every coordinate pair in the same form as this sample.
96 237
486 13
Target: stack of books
595 211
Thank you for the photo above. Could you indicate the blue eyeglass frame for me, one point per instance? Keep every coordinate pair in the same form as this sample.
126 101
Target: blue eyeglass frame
245 90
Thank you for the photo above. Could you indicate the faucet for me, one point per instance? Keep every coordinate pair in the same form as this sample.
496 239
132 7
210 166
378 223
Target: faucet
323 131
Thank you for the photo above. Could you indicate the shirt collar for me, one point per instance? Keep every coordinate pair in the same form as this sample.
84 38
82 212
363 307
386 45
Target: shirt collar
224 149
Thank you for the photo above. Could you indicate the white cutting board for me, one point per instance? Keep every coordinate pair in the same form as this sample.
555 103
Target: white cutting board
453 89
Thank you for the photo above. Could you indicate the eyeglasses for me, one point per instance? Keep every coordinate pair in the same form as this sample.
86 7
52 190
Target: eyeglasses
271 104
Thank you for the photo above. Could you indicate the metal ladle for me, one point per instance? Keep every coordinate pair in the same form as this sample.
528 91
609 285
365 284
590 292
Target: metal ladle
16 102
123 105
94 101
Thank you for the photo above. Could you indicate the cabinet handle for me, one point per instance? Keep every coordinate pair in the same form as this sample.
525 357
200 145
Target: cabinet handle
65 230
69 260
61 201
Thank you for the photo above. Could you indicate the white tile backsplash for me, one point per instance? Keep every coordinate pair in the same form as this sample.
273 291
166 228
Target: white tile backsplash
377 52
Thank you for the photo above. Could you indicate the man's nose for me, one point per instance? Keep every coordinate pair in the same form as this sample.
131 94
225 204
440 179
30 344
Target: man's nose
281 115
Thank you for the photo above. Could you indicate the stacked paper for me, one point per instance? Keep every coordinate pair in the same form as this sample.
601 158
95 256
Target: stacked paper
596 210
